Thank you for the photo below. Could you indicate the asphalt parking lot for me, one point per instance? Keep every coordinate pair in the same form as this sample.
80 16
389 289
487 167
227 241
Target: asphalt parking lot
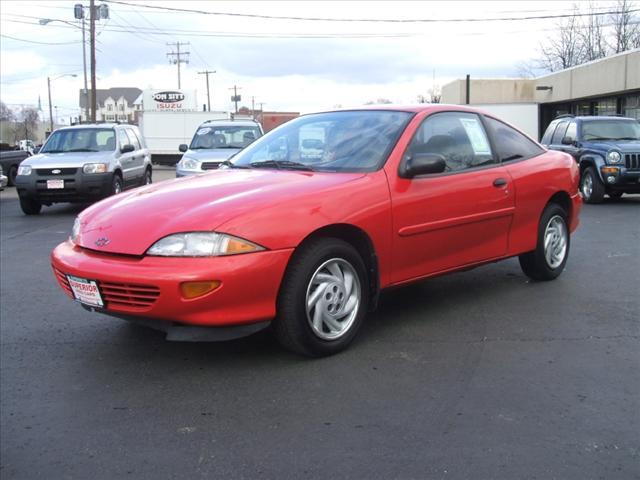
476 375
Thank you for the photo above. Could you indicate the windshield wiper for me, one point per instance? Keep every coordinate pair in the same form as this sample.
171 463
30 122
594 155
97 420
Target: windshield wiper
51 151
598 138
229 164
282 164
626 138
82 150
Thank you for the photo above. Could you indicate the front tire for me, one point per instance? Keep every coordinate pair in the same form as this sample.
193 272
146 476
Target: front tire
116 184
11 175
549 258
591 187
30 206
323 298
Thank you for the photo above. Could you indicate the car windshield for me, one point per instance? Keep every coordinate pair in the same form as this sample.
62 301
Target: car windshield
81 140
232 136
610 130
347 141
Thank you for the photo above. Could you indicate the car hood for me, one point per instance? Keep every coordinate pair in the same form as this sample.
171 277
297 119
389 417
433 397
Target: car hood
67 159
218 154
129 223
624 146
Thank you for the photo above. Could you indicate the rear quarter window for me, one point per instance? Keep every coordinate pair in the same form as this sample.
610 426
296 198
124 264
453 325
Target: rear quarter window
510 144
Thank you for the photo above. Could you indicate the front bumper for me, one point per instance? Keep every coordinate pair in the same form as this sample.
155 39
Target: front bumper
149 287
78 186
624 180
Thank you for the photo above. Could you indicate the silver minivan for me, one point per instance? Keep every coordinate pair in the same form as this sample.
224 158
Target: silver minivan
83 163
214 142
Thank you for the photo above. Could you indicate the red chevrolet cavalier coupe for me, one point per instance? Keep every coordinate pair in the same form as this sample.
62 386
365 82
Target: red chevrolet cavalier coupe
304 227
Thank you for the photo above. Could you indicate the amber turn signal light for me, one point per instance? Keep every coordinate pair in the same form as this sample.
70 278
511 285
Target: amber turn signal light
609 169
191 290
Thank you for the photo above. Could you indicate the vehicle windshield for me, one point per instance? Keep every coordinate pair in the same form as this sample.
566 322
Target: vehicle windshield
348 141
81 140
610 130
232 136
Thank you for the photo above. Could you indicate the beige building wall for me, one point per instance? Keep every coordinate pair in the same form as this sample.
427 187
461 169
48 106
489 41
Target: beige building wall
601 77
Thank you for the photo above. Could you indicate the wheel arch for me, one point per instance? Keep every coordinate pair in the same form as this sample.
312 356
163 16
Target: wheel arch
361 241
591 160
563 199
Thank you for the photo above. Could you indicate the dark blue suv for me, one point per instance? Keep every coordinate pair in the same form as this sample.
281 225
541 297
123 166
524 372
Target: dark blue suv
607 150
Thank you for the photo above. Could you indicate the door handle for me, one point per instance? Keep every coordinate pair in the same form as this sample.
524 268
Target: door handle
499 182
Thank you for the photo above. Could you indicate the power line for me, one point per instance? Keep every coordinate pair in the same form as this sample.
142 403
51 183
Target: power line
39 43
369 20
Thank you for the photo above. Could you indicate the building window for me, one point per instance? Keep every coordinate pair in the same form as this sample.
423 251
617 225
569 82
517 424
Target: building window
109 118
109 107
606 106
121 107
631 106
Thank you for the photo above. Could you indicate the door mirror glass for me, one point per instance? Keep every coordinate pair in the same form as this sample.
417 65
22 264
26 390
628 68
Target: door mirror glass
127 148
567 141
183 147
423 164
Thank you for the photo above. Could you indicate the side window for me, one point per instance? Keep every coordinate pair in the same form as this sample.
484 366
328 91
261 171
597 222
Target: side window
511 144
572 131
133 139
123 139
458 136
559 133
546 139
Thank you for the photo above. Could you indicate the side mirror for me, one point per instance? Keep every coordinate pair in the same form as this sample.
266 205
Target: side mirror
36 150
567 141
127 148
423 164
183 147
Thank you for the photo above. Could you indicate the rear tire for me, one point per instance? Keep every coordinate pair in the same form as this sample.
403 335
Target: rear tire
147 179
591 187
549 258
30 206
323 298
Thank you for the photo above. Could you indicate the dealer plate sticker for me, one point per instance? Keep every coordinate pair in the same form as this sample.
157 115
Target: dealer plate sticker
55 184
85 291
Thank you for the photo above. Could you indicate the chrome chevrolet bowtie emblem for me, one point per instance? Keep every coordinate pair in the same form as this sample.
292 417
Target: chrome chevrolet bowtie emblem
102 241
56 171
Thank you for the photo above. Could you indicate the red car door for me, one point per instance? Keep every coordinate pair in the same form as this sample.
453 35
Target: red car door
459 217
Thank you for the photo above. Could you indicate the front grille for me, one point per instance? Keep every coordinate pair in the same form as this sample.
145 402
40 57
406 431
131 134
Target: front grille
119 295
632 161
49 171
210 165
139 297
63 281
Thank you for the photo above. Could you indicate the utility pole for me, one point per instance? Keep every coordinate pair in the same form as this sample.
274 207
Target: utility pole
50 107
253 107
92 39
236 98
175 57
207 72
84 69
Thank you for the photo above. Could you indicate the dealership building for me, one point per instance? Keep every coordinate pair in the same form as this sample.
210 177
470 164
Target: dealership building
609 86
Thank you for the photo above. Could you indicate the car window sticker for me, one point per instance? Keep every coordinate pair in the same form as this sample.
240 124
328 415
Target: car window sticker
476 135
203 131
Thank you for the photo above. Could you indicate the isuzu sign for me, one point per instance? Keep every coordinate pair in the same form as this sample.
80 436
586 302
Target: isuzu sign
170 100
168 97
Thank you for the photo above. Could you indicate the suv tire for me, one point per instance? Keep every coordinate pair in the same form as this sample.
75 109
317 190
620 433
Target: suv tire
591 187
147 178
116 184
549 258
30 206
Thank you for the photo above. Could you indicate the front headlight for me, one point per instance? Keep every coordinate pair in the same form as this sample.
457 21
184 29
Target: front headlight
24 170
75 231
201 244
613 156
95 168
189 164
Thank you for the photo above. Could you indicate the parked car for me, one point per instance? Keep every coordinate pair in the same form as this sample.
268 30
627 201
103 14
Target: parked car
3 180
607 150
10 160
214 142
83 163
398 195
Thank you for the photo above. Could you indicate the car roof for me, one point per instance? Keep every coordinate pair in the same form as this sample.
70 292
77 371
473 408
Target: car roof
226 122
586 118
96 125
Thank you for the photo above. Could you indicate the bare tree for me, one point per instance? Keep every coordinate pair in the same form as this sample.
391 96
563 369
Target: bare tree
435 94
565 50
591 37
6 114
379 101
626 31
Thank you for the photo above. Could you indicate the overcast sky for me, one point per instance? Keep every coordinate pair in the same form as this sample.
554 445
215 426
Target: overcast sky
298 65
